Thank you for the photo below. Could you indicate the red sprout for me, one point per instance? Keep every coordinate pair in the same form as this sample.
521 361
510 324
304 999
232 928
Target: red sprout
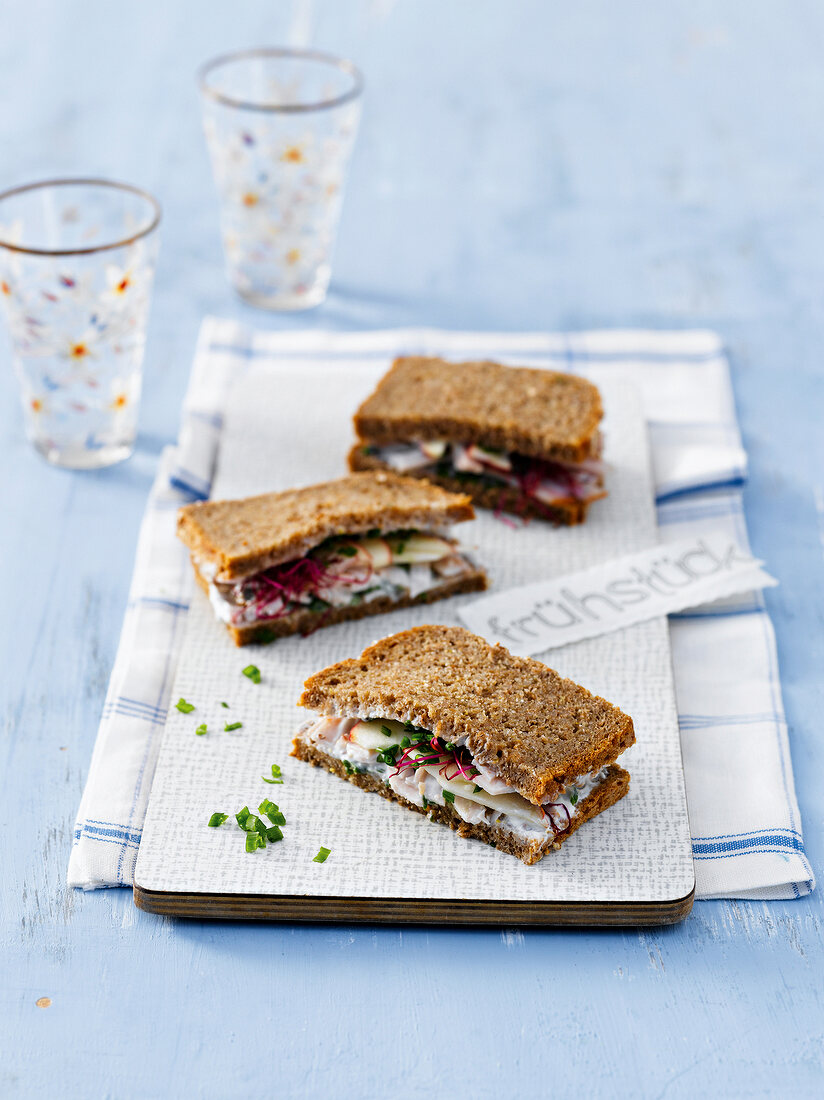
293 579
556 806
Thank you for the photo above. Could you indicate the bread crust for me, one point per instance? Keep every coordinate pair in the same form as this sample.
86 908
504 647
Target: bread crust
606 794
535 729
307 622
241 537
503 499
544 414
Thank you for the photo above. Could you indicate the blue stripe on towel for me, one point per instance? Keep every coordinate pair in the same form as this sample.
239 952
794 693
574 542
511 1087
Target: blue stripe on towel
770 842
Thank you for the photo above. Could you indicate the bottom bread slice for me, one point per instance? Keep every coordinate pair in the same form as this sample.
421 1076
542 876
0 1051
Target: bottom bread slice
613 788
495 498
306 621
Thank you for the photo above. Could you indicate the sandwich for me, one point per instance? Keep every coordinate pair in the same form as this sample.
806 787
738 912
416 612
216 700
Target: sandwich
290 562
517 440
499 748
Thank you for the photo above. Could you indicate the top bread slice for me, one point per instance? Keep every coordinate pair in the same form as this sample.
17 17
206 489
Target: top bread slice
539 413
532 727
239 537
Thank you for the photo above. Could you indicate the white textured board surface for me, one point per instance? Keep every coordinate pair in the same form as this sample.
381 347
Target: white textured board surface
291 426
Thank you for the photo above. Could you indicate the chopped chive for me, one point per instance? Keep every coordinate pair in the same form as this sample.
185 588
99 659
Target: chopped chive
225 705
275 775
425 801
322 855
216 820
232 726
347 550
573 798
265 780
184 707
201 730
477 788
405 742
273 834
386 731
272 811
348 768
260 827
373 533
255 841
242 816
448 796
253 672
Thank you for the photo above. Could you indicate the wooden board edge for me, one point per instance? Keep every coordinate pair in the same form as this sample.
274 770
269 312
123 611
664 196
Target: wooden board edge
285 907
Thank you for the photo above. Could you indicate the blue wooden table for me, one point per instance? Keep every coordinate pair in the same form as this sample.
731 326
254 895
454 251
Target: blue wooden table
522 165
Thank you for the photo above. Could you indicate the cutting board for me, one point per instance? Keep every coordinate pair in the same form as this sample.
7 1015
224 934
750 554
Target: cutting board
290 424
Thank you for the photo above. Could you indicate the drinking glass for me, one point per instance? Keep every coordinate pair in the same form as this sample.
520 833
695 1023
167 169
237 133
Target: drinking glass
77 260
280 126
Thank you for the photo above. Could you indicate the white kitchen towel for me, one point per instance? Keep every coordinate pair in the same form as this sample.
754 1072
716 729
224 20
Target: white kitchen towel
745 821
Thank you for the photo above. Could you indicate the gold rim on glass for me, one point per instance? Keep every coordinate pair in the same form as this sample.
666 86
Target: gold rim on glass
339 63
114 185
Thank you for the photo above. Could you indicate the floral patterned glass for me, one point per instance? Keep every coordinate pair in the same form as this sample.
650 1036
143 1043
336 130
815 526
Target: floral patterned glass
280 126
77 260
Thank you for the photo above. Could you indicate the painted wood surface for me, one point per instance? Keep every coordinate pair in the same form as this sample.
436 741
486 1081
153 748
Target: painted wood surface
523 165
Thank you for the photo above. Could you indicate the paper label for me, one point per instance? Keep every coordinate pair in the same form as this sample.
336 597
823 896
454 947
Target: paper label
644 585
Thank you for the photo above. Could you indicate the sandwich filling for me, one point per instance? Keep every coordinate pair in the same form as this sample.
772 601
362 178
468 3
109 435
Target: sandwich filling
425 769
538 480
342 571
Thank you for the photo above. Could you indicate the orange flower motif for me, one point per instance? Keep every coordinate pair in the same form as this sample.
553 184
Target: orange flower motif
251 199
120 402
36 405
6 289
78 351
293 255
293 155
123 285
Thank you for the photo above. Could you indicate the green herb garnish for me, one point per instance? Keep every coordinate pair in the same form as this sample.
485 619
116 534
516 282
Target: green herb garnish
347 550
272 811
184 707
275 775
255 841
225 705
573 798
387 755
448 796
242 816
273 834
386 731
201 730
216 820
374 533
232 726
322 855
477 788
348 768
253 672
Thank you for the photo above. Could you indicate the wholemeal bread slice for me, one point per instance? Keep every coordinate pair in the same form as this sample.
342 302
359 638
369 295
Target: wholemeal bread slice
534 729
235 538
542 414
306 621
528 849
497 498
